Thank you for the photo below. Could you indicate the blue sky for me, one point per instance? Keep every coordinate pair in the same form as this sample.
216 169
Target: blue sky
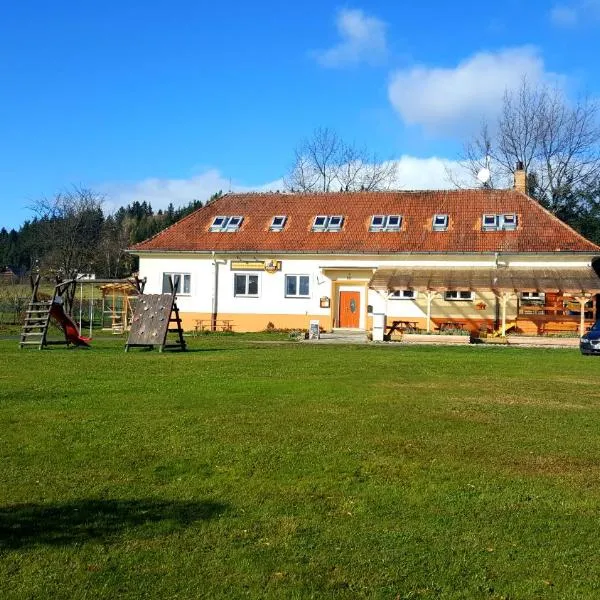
173 100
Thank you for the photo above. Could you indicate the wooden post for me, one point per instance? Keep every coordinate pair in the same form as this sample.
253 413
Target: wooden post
504 297
429 295
583 300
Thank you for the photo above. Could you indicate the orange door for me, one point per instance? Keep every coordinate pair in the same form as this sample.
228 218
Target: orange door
350 309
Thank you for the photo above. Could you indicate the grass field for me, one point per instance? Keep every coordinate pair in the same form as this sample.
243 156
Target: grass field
288 470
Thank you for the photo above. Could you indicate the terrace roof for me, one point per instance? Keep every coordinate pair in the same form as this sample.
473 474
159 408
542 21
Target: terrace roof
518 279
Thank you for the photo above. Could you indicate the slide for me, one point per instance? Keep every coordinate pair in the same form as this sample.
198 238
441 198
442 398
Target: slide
57 312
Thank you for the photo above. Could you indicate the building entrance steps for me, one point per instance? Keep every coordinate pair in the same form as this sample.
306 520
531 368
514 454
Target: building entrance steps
342 336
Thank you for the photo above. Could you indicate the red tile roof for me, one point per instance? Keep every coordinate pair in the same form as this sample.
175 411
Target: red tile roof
537 231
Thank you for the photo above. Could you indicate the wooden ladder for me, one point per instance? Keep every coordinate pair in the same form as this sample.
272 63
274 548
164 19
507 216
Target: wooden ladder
37 319
180 343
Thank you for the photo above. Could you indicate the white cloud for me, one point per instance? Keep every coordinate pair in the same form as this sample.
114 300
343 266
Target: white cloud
432 173
161 192
575 13
564 16
363 39
412 174
456 99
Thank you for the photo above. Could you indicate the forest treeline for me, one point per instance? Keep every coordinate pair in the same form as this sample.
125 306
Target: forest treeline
71 234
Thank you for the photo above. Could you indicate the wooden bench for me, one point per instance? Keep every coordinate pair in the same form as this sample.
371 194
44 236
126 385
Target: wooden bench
219 325
558 328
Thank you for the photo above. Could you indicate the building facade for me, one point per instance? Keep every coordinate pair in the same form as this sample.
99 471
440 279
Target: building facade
470 259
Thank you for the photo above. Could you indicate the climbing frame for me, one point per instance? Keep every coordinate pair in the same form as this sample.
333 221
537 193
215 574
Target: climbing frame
155 317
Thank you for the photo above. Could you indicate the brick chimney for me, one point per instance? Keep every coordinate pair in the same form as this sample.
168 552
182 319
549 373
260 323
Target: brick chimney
520 178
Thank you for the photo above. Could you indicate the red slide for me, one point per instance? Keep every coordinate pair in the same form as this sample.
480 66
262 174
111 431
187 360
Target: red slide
57 312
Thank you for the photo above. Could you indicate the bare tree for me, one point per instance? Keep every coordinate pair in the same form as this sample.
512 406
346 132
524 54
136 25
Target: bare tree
325 163
112 257
558 144
71 227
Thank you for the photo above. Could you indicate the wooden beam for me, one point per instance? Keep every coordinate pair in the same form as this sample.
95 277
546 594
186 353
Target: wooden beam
429 295
583 300
504 297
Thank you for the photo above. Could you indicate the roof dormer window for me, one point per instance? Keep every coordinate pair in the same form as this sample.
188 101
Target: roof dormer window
328 223
385 223
440 222
278 223
226 223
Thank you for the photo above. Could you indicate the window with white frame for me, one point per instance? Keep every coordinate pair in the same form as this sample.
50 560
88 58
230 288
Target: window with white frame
246 285
403 295
505 222
385 223
531 297
226 223
297 286
440 222
328 223
181 281
508 222
278 223
489 222
458 295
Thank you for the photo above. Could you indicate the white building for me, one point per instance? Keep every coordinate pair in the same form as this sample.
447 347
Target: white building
429 259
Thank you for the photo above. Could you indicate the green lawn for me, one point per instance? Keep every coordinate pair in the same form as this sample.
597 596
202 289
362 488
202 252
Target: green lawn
288 470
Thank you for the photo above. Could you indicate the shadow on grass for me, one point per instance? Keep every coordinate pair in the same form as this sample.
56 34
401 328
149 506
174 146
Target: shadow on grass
85 520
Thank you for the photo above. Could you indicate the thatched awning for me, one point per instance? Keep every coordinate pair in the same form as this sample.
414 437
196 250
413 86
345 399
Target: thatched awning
518 279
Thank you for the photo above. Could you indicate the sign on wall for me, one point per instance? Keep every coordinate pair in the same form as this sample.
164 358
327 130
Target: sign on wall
269 265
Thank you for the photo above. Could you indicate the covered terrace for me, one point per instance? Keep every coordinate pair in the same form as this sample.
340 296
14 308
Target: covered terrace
543 296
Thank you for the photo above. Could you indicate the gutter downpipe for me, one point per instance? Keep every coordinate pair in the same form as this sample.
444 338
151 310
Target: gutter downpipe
215 293
497 303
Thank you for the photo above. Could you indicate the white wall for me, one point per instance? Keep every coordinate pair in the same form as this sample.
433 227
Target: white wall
271 294
320 269
199 299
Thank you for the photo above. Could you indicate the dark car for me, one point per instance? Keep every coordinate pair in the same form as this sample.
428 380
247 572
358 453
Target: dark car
590 342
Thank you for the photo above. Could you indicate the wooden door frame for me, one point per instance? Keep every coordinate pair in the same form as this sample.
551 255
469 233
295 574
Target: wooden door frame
360 286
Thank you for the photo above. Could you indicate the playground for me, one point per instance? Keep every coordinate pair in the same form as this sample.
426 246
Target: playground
258 467
149 318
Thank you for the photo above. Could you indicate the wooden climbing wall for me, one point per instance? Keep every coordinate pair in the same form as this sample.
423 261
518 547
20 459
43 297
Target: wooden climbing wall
150 323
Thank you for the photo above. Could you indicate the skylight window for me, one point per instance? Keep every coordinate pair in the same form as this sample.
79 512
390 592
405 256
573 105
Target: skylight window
225 223
328 223
278 223
506 222
320 223
385 223
377 222
440 222
509 222
335 222
489 222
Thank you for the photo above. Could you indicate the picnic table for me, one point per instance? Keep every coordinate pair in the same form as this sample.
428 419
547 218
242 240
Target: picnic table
400 326
447 325
219 325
